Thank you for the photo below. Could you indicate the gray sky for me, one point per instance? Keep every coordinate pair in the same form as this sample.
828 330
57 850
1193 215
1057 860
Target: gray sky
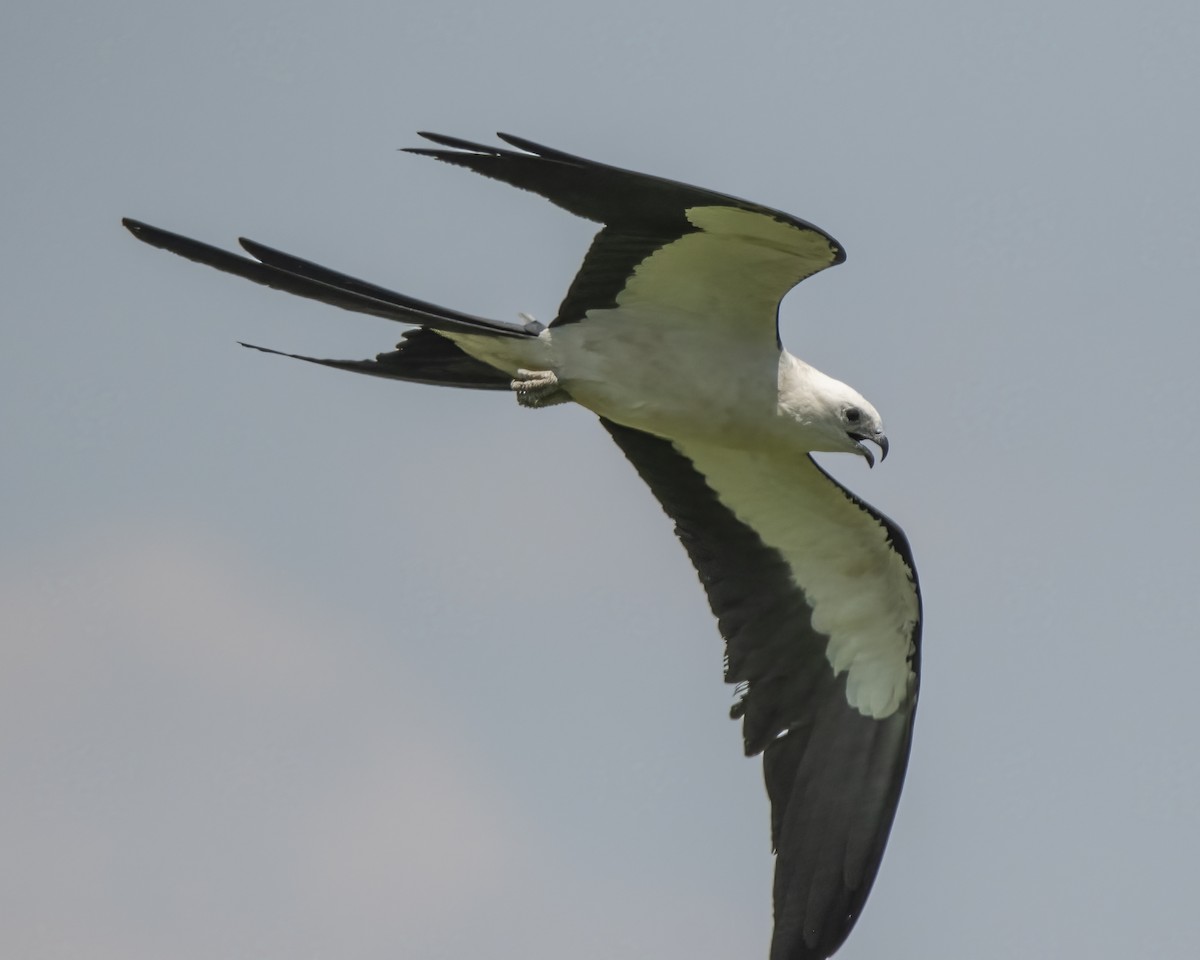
299 664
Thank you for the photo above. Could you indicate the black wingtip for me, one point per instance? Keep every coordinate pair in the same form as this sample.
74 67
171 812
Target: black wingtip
252 247
537 149
158 237
527 148
457 143
522 144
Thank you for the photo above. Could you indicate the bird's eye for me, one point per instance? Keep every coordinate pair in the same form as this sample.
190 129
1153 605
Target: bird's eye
853 414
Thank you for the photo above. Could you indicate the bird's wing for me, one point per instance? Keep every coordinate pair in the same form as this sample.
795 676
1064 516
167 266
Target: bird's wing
663 243
817 599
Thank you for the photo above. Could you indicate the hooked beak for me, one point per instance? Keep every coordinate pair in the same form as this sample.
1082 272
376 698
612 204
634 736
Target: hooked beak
880 440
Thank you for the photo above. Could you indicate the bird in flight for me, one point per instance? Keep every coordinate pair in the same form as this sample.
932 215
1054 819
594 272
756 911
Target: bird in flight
669 334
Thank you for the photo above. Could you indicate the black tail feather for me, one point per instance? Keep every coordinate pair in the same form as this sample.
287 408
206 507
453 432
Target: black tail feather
314 271
423 356
282 271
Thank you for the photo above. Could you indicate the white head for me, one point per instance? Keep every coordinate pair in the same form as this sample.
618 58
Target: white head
835 417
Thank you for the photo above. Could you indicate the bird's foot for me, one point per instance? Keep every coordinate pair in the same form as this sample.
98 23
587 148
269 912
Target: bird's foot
538 388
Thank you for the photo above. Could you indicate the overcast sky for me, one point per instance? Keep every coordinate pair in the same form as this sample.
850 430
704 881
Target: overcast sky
297 664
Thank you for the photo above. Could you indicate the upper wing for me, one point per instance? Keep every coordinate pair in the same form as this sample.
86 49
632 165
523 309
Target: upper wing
663 243
817 599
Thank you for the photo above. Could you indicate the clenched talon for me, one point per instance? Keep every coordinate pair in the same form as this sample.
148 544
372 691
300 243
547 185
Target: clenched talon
538 388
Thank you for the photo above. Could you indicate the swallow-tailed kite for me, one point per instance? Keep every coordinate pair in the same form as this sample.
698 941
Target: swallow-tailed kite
669 334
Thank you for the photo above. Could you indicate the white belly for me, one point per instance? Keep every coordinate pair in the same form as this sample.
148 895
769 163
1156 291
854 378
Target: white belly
675 379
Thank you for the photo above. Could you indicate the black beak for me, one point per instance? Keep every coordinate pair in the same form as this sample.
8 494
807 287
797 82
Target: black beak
880 440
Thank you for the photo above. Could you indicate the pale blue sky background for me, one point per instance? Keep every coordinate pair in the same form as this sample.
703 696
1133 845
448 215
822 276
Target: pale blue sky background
302 665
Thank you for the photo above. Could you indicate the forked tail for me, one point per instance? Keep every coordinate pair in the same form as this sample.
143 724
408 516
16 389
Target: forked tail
422 356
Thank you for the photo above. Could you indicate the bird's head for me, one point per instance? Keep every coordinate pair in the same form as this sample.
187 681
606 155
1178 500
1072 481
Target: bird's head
836 417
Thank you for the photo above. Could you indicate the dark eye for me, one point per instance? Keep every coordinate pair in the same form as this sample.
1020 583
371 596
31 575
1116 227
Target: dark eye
853 414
